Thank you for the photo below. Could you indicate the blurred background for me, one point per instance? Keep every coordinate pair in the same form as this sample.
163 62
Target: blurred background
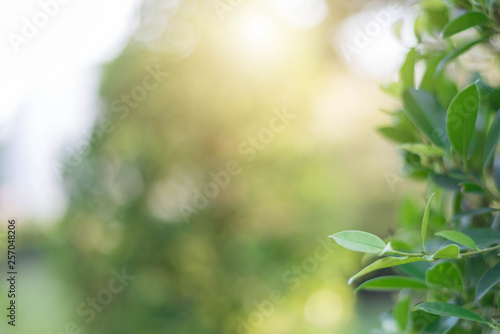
177 166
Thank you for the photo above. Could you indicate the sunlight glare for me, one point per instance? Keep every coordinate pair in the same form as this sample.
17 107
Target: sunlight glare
258 35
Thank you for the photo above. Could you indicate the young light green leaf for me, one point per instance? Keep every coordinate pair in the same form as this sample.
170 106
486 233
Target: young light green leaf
487 281
461 119
401 312
445 275
407 71
396 134
425 221
359 241
393 89
492 140
426 114
450 310
423 150
386 262
464 22
447 252
428 81
457 237
388 283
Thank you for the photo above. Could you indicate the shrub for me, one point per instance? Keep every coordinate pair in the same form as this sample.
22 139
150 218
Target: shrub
446 261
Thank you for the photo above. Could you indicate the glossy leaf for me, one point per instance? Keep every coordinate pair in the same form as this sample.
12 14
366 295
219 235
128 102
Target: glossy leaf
396 134
498 301
449 310
445 275
423 150
407 71
492 140
447 252
359 241
401 312
385 262
458 237
425 221
464 22
387 283
420 320
487 281
415 269
426 114
461 119
483 236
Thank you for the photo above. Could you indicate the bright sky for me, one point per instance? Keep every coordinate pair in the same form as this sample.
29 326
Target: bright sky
47 88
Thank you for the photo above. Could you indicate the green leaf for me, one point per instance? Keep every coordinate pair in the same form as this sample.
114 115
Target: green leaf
457 51
387 283
492 140
401 311
428 83
425 221
458 237
461 119
487 281
359 241
396 134
446 275
420 320
423 150
498 301
446 182
450 310
416 269
426 114
483 236
472 188
447 252
476 212
464 22
393 89
386 262
407 71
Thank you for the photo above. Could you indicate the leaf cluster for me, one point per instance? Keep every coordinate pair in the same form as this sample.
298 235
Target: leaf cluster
445 257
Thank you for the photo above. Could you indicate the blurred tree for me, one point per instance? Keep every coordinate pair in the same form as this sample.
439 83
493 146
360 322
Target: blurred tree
203 181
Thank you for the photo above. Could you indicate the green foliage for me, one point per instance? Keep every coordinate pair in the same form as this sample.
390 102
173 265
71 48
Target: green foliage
449 282
360 241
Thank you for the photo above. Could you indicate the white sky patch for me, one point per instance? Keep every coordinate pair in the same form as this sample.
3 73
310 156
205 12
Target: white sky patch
49 88
366 41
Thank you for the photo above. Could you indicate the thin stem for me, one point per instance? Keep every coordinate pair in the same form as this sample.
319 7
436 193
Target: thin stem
394 252
480 251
